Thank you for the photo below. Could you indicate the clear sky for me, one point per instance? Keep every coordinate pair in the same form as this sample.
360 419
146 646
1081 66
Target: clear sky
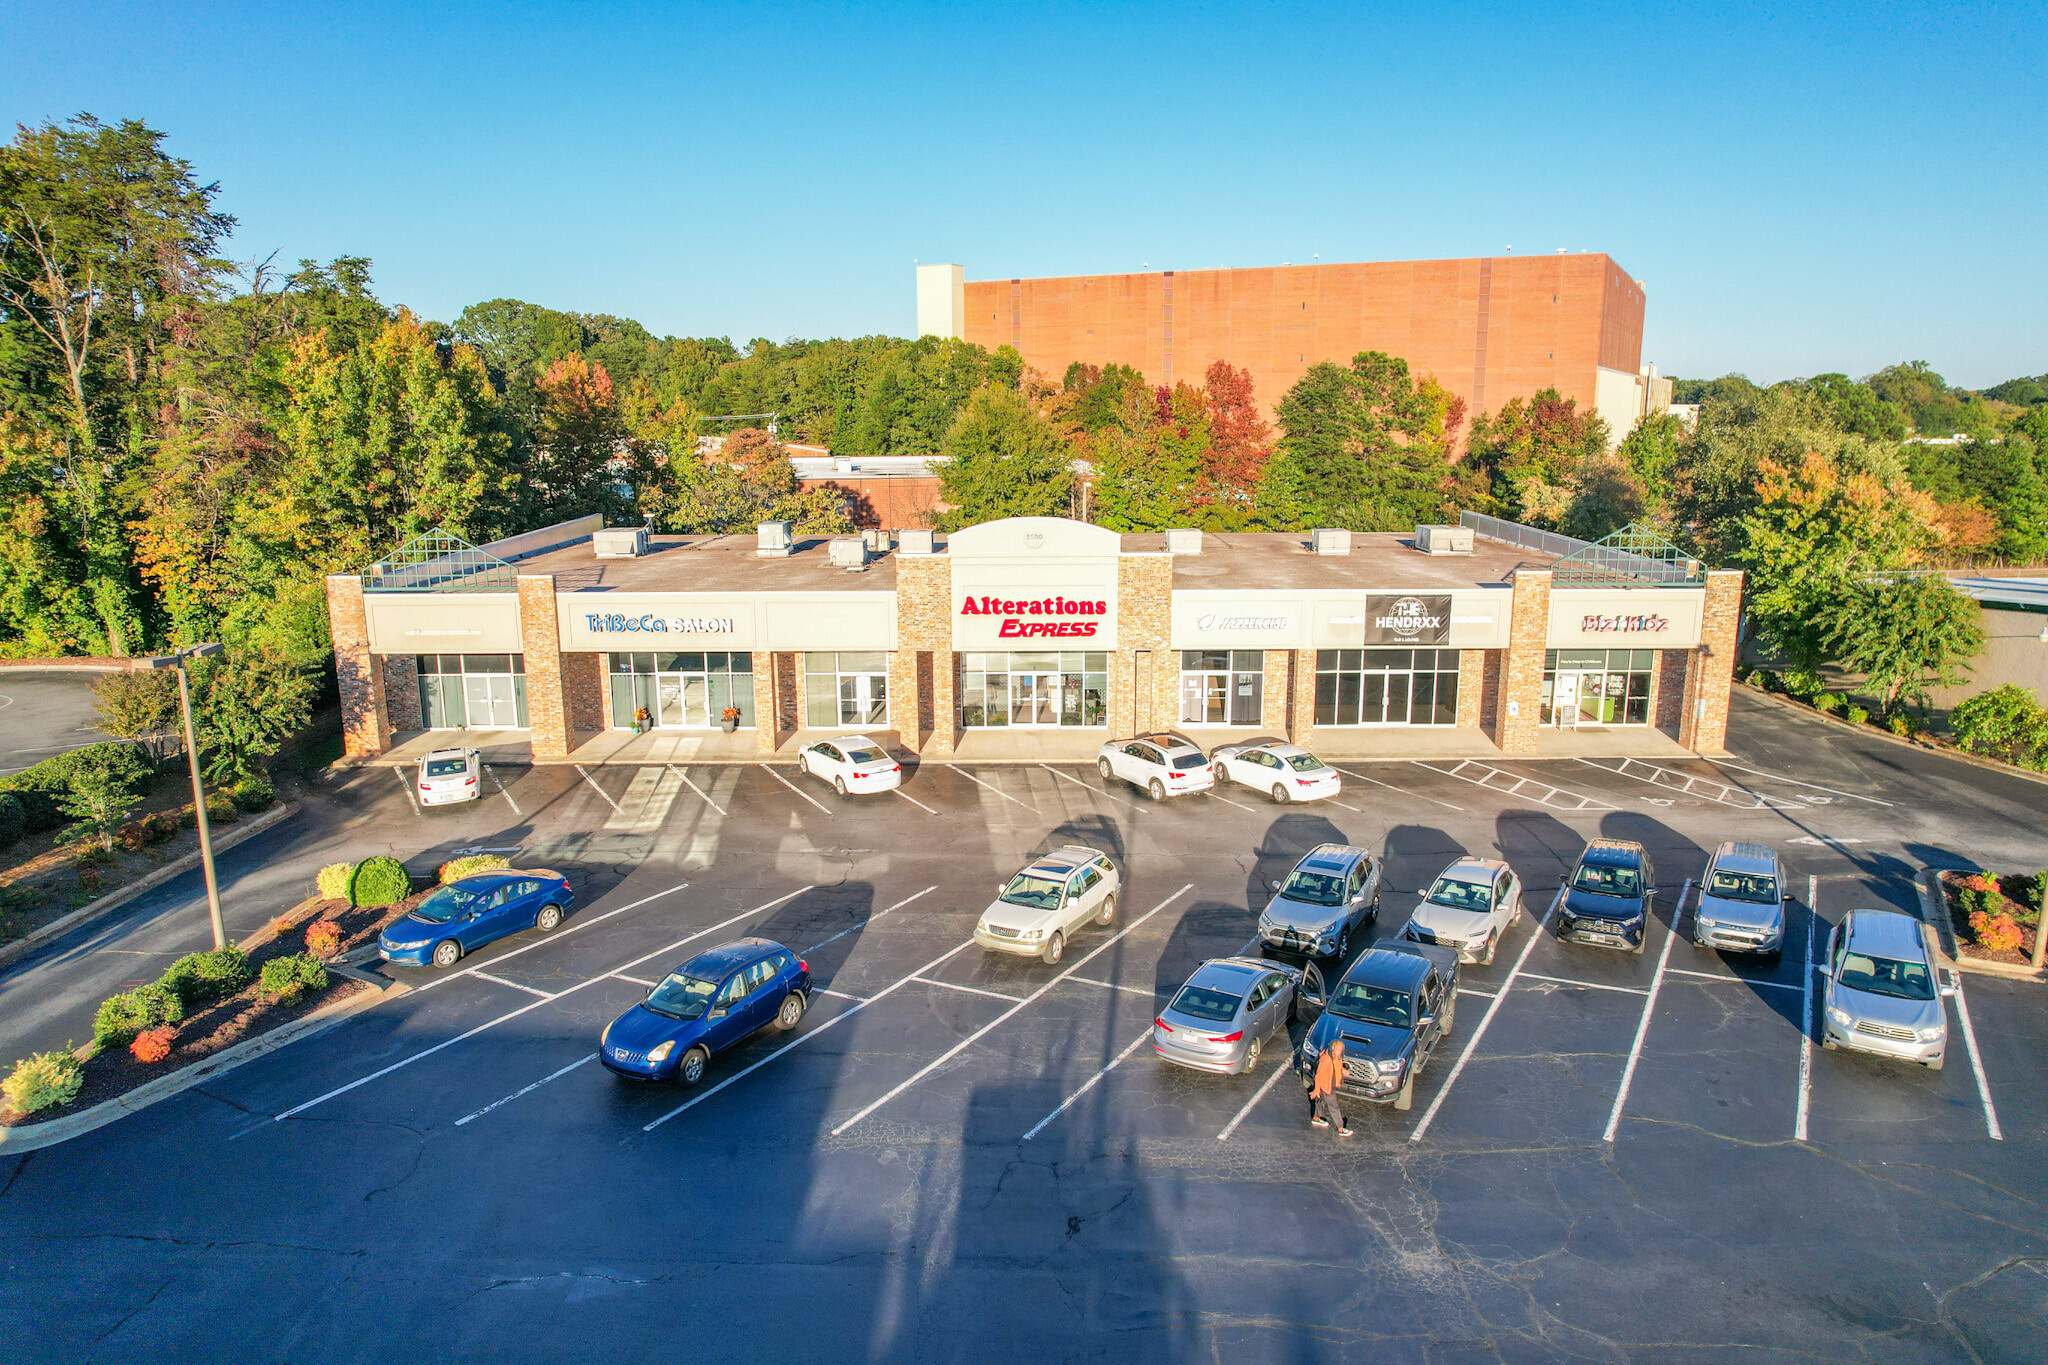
1828 190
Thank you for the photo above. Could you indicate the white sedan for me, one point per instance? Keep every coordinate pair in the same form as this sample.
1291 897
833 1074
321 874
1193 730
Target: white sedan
449 775
854 764
1286 772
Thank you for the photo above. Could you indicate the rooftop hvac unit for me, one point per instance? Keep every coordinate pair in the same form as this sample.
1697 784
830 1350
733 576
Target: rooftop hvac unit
620 542
913 540
1330 542
849 552
774 540
1184 542
1444 540
877 539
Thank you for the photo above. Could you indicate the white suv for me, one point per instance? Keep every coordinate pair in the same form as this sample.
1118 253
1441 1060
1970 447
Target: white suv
1040 908
449 775
1163 764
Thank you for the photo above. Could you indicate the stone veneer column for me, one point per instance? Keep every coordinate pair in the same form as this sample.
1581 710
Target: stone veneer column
1521 699
402 691
540 641
1471 687
1144 675
365 723
922 668
1710 672
765 737
1274 690
1302 727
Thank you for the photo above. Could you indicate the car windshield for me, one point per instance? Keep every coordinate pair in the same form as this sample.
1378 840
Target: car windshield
446 767
861 756
1370 1004
1304 763
1183 762
1039 893
1742 886
1461 895
444 904
1596 880
1314 888
1199 1002
1886 976
680 996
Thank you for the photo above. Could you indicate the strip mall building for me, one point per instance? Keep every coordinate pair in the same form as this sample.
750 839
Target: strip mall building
1030 638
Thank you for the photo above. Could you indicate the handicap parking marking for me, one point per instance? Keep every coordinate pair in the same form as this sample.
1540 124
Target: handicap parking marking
992 787
1529 788
1089 1084
793 787
571 926
705 795
1635 1051
1780 777
1392 788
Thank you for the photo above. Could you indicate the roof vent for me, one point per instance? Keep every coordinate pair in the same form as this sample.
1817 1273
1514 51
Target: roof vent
849 552
1184 542
913 540
1444 540
1330 542
877 539
774 540
842 465
620 542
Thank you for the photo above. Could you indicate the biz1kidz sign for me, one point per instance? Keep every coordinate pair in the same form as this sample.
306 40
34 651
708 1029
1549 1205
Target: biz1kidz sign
1060 618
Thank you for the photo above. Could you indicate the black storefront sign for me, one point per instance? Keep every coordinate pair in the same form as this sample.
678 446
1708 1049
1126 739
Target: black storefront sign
1408 619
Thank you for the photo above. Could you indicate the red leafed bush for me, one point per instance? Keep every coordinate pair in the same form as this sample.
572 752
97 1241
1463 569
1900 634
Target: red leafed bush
1996 933
323 938
152 1045
1980 882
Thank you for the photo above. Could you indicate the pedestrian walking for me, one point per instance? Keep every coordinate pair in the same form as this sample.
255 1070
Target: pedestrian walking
1322 1096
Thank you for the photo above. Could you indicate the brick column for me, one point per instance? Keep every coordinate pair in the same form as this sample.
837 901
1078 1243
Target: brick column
540 641
1489 690
1471 687
1144 675
903 716
945 704
1522 672
922 667
1710 672
1667 689
402 691
1274 689
365 723
765 737
1302 724
583 704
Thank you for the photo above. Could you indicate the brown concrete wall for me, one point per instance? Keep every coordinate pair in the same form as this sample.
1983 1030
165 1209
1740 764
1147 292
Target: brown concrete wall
1710 672
1522 682
540 640
1550 321
365 723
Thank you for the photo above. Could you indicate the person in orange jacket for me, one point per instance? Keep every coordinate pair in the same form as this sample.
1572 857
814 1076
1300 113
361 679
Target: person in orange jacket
1322 1097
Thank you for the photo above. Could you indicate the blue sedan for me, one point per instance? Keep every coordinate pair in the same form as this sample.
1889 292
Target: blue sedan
464 915
705 1006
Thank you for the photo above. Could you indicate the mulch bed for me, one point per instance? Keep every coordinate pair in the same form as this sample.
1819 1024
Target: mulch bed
1966 934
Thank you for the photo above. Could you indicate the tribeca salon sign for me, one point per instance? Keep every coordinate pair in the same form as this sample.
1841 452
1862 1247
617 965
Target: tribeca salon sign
1624 625
613 623
1039 617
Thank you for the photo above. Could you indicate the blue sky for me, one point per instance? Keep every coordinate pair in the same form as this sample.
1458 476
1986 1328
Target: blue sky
1825 190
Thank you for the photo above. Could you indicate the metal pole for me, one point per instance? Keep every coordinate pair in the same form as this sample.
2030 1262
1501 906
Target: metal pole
220 932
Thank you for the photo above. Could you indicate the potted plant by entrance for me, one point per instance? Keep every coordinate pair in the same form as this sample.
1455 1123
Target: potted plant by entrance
642 721
729 719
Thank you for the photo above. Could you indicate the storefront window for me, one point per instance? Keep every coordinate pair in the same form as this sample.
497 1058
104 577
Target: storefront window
473 691
1221 686
846 689
686 691
1386 687
1037 689
1597 686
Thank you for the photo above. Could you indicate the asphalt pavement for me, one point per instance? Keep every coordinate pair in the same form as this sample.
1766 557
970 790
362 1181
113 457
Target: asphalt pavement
959 1156
43 714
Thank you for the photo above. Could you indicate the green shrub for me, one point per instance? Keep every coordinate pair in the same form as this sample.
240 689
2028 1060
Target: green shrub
287 978
1768 680
2006 722
13 820
220 809
1800 682
463 867
44 788
379 881
1857 714
1829 702
200 977
253 793
333 881
123 1016
1901 724
43 1081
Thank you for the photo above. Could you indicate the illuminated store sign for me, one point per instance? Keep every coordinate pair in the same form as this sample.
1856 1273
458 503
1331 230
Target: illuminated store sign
611 623
1014 612
1625 625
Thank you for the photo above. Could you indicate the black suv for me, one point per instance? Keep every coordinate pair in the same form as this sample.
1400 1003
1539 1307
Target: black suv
1392 1008
1607 897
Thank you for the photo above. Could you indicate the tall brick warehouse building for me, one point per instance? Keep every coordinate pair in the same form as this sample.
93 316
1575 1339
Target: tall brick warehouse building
1488 328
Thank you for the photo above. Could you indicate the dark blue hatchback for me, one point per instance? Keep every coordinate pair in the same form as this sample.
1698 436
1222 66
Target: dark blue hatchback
705 1006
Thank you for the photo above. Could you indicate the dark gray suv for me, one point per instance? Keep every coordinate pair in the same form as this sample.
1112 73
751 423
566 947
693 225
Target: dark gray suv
1393 1008
1607 898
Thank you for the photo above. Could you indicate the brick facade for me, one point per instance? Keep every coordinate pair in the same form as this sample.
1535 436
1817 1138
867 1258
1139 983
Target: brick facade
365 723
921 670
1667 689
1144 675
1489 689
1522 685
1710 671
540 640
765 738
583 689
1471 685
402 691
1275 692
1302 720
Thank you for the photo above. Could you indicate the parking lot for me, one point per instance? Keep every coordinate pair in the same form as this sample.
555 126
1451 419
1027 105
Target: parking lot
965 1156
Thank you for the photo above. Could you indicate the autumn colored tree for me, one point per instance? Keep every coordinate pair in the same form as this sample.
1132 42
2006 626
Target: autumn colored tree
1149 463
1240 438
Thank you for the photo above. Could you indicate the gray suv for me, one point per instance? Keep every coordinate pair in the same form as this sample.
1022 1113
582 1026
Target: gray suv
1332 891
1742 901
1884 993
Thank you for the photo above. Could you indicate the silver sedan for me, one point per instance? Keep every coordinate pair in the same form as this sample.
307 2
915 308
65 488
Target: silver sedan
1226 1014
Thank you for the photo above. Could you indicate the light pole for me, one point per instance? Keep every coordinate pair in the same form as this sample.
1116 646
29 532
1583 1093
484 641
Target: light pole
178 662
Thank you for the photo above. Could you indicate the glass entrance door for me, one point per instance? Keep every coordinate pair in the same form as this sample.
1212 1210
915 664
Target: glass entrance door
1034 699
489 701
1204 698
1564 705
863 698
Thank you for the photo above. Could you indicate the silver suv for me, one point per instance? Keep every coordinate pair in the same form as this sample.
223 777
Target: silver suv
1332 891
1038 910
1742 901
1884 992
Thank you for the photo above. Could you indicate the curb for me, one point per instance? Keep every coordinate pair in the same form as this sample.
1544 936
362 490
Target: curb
114 900
29 1137
1872 732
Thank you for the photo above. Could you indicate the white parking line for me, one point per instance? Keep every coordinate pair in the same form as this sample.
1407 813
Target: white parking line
793 787
1105 795
493 1023
1392 788
836 995
1281 1070
1484 995
1228 802
1806 1012
806 952
527 1090
621 976
979 1033
913 801
699 790
501 790
1115 986
1584 985
1976 1061
1723 978
405 785
1087 1085
558 935
501 981
971 990
1341 806
1775 777
1635 1051
599 790
1535 937
997 790
803 1038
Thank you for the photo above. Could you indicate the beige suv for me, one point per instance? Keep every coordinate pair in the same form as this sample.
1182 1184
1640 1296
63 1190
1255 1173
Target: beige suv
1039 909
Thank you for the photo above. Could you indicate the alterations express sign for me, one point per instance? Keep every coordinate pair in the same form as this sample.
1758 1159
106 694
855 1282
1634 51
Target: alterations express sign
1395 620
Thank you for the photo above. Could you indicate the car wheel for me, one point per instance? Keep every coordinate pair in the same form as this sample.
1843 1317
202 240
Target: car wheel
1376 905
1158 790
1451 1013
447 953
1280 796
1404 1099
1491 944
1108 915
792 1012
1343 942
1102 766
1251 1058
550 915
839 785
1642 942
691 1069
803 764
1054 948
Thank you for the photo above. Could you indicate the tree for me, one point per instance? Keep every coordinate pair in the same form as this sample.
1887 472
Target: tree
1903 632
141 706
1149 465
1364 447
1240 439
580 451
1003 459
245 703
1534 452
103 782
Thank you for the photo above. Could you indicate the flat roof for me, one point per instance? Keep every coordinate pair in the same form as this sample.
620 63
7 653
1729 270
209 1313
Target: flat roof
1265 560
726 563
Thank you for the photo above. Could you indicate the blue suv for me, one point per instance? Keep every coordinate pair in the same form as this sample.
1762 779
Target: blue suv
705 1006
